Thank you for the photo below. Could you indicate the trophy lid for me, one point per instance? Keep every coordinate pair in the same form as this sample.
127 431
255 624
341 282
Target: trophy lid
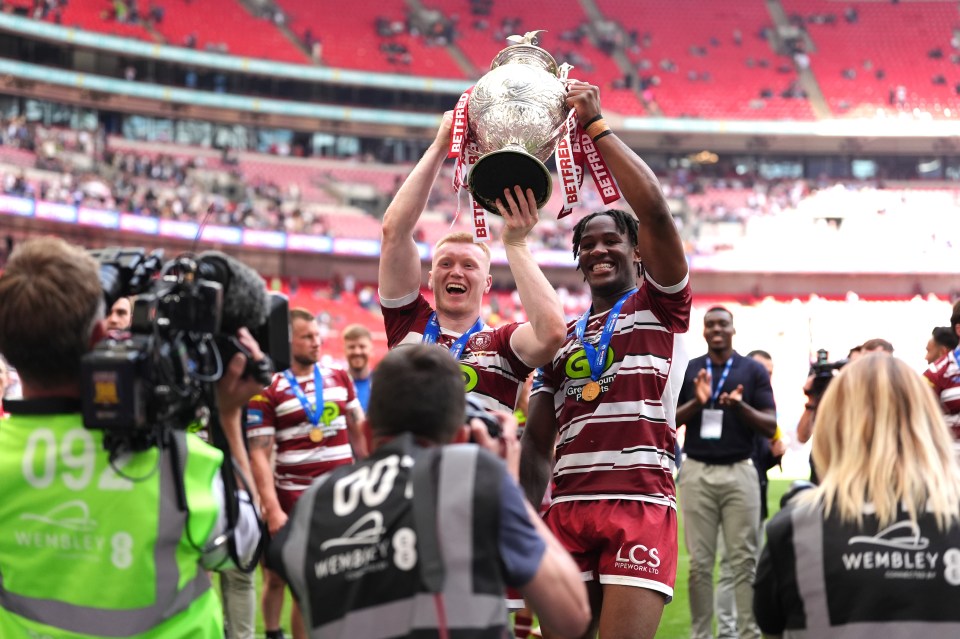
525 51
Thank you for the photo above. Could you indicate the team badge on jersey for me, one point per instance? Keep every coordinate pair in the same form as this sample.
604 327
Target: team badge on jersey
480 341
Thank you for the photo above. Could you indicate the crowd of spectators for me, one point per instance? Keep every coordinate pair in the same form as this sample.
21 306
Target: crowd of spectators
78 168
717 214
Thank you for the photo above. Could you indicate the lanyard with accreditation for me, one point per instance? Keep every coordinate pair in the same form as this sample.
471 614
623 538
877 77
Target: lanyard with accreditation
313 412
711 424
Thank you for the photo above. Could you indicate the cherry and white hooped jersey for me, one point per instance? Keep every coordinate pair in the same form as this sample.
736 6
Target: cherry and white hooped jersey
277 411
944 377
491 370
622 444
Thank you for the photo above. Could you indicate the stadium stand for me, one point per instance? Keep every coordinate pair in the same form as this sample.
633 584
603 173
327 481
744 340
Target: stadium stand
872 57
689 58
729 223
224 25
370 36
710 59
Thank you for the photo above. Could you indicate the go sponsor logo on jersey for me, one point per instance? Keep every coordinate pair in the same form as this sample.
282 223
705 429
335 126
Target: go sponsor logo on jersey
578 368
470 377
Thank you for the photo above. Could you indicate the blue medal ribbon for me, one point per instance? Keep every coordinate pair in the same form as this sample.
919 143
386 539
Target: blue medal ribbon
313 413
723 377
597 356
432 333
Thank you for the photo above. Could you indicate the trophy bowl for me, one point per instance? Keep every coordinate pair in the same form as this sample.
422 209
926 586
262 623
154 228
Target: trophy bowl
517 116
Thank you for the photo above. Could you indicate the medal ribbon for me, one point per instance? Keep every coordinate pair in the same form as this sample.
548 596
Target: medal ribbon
597 357
313 412
432 332
723 377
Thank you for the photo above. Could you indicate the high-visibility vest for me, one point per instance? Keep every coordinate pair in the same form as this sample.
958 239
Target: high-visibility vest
401 544
94 549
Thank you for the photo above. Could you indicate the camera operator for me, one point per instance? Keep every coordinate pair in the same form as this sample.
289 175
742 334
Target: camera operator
94 544
822 372
421 538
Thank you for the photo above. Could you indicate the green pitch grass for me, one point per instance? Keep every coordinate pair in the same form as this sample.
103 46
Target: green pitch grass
675 623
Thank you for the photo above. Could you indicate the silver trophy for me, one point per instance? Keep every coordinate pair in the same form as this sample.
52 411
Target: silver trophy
516 118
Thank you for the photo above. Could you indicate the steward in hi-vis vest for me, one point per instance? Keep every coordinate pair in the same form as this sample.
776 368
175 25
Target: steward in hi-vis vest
87 552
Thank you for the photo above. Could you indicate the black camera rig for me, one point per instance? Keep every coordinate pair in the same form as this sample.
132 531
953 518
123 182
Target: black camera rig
823 371
142 385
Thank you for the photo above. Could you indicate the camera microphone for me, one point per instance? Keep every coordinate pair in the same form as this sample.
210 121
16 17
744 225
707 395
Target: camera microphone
244 292
247 303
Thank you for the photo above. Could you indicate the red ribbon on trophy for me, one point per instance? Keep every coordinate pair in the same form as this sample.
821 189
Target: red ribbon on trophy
568 166
459 131
465 150
606 185
575 151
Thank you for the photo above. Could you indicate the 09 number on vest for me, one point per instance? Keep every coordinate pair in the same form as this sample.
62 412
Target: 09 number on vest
74 455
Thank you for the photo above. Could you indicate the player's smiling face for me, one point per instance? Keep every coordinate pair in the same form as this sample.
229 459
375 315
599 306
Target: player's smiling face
606 258
459 278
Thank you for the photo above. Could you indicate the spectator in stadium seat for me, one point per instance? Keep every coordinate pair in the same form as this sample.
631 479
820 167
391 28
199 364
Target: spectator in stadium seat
942 341
495 361
872 551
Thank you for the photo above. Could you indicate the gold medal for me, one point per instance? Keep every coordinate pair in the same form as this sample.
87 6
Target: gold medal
590 391
316 435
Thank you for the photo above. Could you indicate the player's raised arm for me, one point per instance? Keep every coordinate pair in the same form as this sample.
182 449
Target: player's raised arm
659 242
537 341
399 259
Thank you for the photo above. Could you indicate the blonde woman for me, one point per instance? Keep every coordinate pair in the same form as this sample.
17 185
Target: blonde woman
874 551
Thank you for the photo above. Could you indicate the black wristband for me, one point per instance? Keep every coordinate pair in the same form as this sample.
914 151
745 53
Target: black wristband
592 120
602 134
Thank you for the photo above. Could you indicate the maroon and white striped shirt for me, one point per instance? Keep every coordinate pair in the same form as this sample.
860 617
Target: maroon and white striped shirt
620 445
944 377
491 370
276 411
